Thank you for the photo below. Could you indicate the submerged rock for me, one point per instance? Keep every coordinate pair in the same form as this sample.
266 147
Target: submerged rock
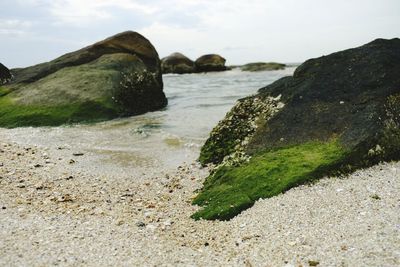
211 62
177 63
262 66
337 113
119 76
5 75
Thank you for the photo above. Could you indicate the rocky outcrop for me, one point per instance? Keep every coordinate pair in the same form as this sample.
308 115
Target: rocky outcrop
5 75
177 63
119 76
262 66
336 114
211 62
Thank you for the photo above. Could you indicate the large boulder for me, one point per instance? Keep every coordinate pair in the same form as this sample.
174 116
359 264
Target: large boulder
262 66
336 114
119 76
177 63
211 62
5 75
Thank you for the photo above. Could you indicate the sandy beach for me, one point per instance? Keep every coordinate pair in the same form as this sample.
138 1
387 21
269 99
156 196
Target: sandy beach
57 211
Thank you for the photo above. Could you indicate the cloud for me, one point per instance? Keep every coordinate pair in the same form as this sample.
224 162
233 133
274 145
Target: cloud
281 30
172 38
14 27
89 11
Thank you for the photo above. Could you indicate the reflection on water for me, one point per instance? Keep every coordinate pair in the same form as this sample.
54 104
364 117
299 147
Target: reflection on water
161 139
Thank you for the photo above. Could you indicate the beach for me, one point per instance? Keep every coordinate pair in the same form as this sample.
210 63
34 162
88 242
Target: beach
55 210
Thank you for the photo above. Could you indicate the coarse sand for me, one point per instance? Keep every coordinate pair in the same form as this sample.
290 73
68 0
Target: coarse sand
55 211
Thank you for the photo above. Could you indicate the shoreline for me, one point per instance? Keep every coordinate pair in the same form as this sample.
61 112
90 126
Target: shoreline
57 212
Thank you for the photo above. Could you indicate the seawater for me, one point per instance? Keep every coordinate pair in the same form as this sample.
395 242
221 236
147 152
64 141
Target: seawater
162 139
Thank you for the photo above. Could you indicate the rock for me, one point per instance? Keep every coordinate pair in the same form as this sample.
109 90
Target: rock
375 196
211 62
120 222
65 198
262 66
177 63
140 224
5 75
168 223
336 114
313 263
119 76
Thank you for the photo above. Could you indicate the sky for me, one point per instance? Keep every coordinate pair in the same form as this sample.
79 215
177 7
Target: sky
35 31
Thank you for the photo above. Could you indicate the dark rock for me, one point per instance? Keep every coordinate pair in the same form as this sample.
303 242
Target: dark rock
119 76
352 95
5 75
263 66
140 224
177 63
313 263
336 114
211 62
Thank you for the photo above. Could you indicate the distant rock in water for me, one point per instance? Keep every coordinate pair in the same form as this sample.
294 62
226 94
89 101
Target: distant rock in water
262 66
5 75
119 76
177 63
211 62
336 114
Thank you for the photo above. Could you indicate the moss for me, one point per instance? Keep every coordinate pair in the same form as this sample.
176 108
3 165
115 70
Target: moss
229 190
4 91
96 91
16 115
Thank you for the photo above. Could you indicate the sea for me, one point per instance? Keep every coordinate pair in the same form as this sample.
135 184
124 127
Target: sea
162 139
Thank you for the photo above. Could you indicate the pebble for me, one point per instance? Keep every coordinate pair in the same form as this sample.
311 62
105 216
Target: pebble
140 224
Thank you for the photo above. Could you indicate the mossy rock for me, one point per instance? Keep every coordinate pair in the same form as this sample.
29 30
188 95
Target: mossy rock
177 63
262 66
120 76
336 114
210 62
230 189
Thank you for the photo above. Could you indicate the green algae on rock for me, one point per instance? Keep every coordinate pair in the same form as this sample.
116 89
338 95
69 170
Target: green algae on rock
120 76
262 66
231 189
340 113
177 63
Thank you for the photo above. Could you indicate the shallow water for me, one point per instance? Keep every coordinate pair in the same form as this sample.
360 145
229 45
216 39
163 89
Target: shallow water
162 139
